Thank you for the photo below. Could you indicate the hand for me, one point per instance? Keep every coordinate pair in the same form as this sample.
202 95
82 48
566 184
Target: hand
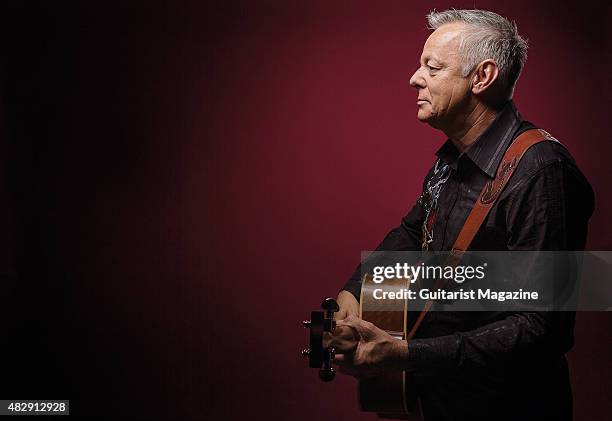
349 306
364 350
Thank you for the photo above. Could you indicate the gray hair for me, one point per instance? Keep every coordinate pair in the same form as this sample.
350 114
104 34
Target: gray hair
490 36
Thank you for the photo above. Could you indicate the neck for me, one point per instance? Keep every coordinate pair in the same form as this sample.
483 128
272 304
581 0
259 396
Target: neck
471 126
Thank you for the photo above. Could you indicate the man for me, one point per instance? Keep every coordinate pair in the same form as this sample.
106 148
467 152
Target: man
486 365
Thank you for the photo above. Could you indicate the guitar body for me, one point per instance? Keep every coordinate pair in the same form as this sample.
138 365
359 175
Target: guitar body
390 396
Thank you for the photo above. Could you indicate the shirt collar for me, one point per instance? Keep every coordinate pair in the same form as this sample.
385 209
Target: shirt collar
487 151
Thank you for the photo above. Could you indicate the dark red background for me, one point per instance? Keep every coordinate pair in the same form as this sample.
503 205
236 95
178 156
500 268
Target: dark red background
185 183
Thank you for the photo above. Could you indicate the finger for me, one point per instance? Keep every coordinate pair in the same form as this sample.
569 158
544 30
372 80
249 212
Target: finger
350 321
344 360
344 340
344 347
345 332
359 327
327 339
340 359
350 318
354 322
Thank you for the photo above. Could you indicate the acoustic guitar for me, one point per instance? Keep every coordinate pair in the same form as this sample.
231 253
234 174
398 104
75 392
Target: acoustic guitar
390 395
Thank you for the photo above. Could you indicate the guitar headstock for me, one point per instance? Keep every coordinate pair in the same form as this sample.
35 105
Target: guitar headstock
319 356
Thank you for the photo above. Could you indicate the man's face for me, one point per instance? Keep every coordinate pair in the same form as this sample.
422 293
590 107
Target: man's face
443 92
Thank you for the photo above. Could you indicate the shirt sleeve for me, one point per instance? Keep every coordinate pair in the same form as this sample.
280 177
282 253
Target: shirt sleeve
549 211
406 237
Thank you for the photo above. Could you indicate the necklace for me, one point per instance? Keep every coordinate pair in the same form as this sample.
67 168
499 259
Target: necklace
429 200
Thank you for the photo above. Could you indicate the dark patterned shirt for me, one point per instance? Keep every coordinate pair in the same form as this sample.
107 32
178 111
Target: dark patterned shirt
496 365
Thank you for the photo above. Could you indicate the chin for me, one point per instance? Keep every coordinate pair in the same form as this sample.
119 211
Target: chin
424 116
429 119
425 112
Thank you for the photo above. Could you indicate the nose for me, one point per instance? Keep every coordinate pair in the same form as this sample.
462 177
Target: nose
417 81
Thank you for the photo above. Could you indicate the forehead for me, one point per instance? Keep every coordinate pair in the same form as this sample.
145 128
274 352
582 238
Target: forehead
443 43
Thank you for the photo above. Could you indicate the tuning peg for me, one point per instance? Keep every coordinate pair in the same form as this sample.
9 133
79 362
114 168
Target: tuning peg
307 324
305 352
327 374
330 305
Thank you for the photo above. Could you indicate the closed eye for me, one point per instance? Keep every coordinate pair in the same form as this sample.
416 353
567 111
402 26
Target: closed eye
433 71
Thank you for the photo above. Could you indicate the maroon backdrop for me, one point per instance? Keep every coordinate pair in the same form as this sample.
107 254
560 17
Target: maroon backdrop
206 174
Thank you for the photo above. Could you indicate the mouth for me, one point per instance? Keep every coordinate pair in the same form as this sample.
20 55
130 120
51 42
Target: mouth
422 101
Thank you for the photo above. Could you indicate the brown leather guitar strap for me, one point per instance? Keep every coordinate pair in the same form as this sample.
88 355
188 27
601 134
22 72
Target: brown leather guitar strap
488 196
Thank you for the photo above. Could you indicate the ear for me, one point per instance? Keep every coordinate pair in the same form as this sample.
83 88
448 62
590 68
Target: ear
484 76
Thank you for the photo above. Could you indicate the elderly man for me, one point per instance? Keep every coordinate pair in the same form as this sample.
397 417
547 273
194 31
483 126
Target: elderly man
479 365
